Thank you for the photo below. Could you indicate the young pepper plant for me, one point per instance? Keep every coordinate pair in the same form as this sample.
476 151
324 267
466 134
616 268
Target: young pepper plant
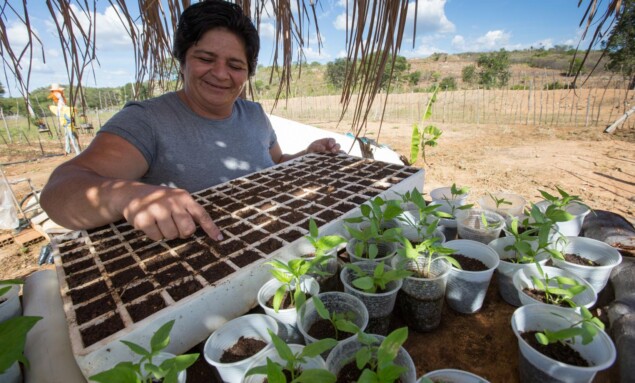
563 292
292 363
291 275
428 250
378 280
429 215
168 370
341 322
377 362
586 328
322 245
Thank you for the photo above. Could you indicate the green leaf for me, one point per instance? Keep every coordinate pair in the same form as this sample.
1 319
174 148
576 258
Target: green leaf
318 347
12 339
542 338
278 296
313 229
274 372
320 308
346 326
368 376
121 373
414 144
136 348
182 362
284 351
391 373
365 283
316 375
362 357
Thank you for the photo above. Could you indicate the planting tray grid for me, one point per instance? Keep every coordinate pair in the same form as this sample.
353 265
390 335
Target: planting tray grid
114 279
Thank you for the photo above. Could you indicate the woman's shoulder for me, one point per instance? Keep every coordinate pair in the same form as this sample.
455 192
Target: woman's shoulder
249 107
154 102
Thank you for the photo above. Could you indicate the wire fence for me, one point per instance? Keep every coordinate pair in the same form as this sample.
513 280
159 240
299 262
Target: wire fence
528 102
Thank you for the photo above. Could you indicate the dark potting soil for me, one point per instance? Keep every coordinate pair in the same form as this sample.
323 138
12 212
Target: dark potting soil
242 349
349 373
559 351
146 307
578 260
322 329
469 264
97 332
540 296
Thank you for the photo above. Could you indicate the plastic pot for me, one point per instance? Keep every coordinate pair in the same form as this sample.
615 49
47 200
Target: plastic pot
420 300
466 290
600 252
253 326
335 302
536 367
386 251
470 225
516 208
379 305
572 227
522 280
443 196
13 374
453 375
287 317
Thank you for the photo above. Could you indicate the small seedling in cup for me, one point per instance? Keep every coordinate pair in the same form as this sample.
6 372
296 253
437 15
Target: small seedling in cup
377 360
586 328
499 201
341 322
377 280
563 292
292 362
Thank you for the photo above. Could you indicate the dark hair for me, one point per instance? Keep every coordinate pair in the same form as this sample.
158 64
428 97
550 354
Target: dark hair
199 18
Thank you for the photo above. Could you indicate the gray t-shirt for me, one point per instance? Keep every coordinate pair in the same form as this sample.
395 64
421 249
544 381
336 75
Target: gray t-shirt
191 152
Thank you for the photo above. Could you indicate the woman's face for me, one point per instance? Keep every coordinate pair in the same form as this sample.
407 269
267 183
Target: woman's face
214 73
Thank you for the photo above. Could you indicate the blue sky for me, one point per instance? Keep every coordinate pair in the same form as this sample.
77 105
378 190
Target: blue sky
444 26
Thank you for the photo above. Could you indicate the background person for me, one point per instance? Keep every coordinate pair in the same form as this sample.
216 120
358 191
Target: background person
144 163
63 113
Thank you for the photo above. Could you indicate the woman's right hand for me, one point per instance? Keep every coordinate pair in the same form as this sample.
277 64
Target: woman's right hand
167 213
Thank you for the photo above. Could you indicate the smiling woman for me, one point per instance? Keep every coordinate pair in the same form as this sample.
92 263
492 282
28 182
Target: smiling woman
149 157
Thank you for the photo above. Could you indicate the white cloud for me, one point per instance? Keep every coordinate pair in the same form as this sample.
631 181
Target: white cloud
458 42
340 22
492 40
430 18
315 55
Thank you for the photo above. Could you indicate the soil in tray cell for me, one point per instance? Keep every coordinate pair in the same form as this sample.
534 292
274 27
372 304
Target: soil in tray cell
150 251
171 274
70 245
140 242
119 264
344 207
269 246
177 241
245 258
112 253
106 244
200 261
184 289
75 255
129 236
294 217
146 307
255 236
102 330
79 266
85 293
217 272
132 292
227 248
83 277
127 276
101 235
238 229
189 249
94 309
291 235
329 215
160 261
274 226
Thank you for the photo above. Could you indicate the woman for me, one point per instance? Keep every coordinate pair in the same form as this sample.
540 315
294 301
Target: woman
144 163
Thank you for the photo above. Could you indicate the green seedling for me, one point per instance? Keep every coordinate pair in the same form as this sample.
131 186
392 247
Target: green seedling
291 275
167 371
489 224
523 246
374 219
563 200
378 280
424 253
499 201
322 245
586 328
429 214
426 137
563 292
455 193
292 363
377 360
341 322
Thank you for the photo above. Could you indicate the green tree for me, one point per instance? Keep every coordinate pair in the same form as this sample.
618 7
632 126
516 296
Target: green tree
336 72
468 74
414 77
494 69
448 83
620 46
1 90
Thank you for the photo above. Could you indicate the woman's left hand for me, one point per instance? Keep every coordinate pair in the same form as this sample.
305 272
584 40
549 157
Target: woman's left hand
323 145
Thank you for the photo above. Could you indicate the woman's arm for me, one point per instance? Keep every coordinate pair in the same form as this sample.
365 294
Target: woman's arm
100 186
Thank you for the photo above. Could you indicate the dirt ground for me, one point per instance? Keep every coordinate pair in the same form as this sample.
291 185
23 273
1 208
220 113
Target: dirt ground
598 167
